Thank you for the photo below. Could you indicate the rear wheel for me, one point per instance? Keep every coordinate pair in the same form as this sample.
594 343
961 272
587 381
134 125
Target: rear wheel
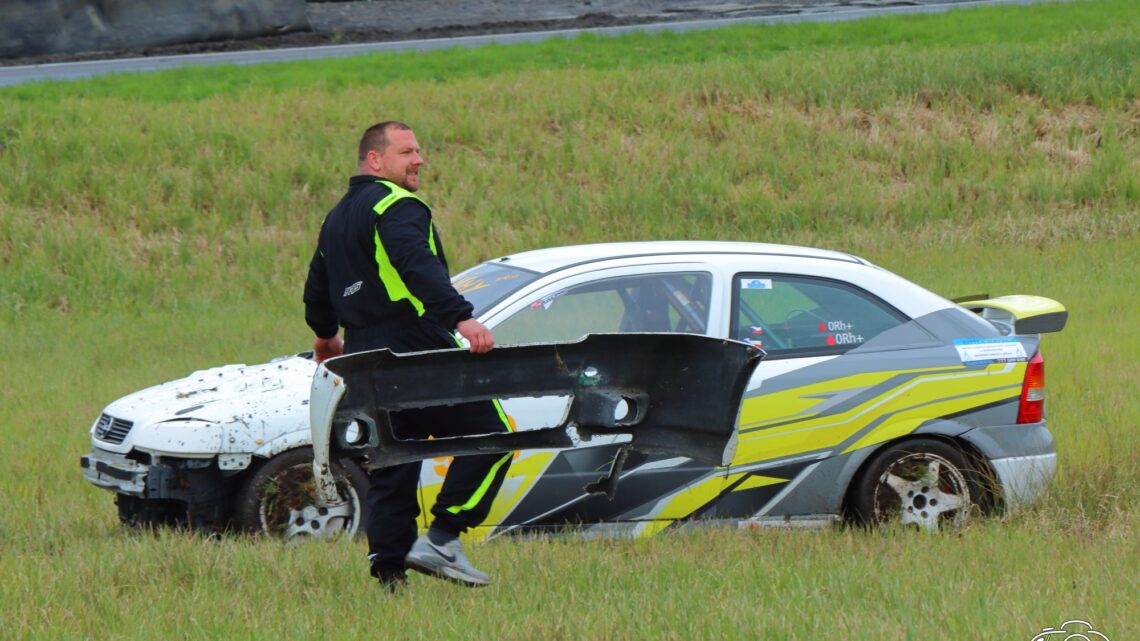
924 483
280 499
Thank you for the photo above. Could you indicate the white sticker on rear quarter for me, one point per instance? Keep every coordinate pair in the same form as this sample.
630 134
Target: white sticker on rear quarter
755 283
980 351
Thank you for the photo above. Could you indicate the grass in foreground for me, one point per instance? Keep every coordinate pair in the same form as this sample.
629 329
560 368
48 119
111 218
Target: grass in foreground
1000 579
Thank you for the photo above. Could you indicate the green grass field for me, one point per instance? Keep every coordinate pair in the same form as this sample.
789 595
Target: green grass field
155 224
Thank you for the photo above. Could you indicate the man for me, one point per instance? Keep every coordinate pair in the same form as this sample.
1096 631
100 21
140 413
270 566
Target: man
380 272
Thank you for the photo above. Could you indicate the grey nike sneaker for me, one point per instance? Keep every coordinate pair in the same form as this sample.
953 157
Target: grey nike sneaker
445 561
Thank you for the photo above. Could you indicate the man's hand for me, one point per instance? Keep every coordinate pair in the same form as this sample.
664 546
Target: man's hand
477 335
328 347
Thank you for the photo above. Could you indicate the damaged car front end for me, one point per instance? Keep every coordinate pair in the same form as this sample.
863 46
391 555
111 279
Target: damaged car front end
196 450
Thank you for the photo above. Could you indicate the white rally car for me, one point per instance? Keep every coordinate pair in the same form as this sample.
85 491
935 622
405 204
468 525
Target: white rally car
878 401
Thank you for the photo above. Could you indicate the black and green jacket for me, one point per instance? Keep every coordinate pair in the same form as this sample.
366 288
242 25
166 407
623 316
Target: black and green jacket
379 262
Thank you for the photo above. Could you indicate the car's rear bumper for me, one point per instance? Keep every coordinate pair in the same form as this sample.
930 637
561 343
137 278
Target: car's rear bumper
1023 458
1024 479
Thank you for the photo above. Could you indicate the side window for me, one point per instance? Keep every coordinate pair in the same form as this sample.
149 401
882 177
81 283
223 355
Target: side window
805 316
677 302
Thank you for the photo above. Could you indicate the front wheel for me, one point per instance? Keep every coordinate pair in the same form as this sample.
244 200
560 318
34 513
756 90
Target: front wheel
280 499
924 483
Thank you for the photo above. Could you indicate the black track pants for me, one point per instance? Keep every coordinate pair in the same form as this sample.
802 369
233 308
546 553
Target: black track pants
471 482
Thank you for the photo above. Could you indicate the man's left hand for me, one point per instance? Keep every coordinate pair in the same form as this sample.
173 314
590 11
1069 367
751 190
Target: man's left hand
477 335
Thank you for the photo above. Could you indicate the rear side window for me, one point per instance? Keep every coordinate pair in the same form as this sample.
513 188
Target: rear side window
806 316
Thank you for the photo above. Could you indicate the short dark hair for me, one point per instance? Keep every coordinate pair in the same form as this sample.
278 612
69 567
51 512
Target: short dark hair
375 138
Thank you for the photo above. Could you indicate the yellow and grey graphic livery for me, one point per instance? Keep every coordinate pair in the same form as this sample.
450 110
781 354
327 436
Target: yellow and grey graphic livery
803 435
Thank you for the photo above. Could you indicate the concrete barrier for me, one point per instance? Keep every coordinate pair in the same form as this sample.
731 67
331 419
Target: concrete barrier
37 27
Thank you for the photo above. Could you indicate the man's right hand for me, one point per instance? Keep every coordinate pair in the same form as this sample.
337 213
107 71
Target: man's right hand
477 335
328 347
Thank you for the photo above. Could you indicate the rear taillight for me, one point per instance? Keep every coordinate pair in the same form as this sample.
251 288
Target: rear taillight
1032 407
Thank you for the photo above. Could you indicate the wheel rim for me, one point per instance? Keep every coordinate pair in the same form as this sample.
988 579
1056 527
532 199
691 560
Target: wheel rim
923 490
288 507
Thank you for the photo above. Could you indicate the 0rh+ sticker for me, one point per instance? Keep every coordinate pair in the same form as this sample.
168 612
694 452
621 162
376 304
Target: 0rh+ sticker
980 351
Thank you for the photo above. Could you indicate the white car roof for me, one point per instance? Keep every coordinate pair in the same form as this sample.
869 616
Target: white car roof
554 258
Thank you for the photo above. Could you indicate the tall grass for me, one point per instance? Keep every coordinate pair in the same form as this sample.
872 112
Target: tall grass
110 197
152 225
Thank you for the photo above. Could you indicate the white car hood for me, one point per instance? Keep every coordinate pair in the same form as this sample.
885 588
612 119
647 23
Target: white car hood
220 394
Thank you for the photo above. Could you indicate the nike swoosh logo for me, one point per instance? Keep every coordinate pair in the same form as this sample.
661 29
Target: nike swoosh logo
450 558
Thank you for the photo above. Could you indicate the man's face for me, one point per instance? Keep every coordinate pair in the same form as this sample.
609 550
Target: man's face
401 160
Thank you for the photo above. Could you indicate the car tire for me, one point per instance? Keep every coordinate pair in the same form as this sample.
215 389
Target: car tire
923 483
279 499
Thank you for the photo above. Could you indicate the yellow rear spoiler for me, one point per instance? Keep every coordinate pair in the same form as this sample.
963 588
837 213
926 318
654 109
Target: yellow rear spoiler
1027 314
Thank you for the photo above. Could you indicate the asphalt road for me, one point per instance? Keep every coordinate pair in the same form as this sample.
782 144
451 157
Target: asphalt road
443 29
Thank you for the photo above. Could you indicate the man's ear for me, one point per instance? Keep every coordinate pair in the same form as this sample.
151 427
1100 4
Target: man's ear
372 159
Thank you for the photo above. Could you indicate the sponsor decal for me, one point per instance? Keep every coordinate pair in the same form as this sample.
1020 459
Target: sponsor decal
844 338
546 301
982 351
756 283
353 288
835 326
841 333
470 284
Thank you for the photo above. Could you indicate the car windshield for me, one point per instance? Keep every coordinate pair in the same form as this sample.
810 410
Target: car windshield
488 283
